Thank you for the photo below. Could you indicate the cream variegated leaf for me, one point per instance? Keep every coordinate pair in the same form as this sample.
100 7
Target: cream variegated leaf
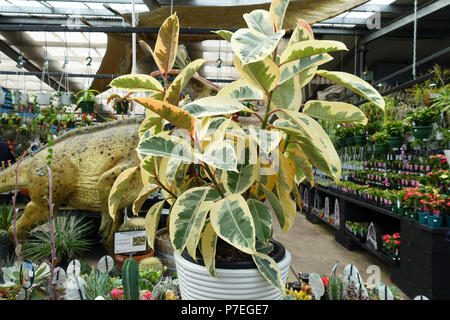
164 145
288 95
290 69
334 111
208 242
166 45
179 83
238 182
252 46
224 34
275 205
241 90
143 195
354 84
136 83
302 32
277 11
310 48
233 223
262 218
220 155
213 106
270 270
151 222
307 75
118 188
303 168
263 74
194 237
268 140
188 213
259 20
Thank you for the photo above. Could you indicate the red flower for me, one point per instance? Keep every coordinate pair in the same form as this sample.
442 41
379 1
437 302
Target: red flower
325 281
397 242
396 235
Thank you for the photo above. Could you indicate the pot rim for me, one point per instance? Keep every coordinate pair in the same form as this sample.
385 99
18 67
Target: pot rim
277 246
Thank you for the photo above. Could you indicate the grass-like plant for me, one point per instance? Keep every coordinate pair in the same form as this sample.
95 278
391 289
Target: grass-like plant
71 239
6 216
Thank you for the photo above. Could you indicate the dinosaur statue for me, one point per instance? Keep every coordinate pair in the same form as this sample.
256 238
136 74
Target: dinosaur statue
85 164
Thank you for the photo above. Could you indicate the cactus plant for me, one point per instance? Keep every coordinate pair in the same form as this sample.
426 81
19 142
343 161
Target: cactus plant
152 263
335 288
130 280
133 224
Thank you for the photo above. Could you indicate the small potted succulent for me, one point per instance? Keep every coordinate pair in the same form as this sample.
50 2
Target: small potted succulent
380 139
422 120
86 100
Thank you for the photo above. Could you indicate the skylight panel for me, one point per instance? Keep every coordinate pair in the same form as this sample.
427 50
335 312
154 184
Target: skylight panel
42 36
380 2
67 4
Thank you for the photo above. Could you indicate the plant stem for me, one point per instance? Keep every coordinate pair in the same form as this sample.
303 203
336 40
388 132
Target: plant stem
52 226
266 115
213 179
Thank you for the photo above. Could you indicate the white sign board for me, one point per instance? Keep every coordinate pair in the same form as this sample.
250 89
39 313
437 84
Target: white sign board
130 241
336 213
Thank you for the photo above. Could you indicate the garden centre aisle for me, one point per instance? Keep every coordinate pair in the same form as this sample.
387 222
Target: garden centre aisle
314 249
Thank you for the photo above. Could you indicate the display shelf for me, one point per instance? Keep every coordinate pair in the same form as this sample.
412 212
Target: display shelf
324 221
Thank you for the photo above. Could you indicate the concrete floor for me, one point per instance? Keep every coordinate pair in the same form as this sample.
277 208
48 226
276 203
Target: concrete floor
314 249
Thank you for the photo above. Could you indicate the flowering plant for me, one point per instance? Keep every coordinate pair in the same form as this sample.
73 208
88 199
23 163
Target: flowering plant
391 242
379 137
437 161
116 294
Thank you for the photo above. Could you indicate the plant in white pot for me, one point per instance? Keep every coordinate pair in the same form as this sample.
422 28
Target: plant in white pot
223 182
43 98
19 98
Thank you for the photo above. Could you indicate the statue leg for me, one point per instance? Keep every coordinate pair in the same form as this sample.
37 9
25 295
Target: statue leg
35 213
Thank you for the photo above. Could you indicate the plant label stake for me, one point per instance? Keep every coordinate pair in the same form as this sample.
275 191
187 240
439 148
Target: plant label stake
26 276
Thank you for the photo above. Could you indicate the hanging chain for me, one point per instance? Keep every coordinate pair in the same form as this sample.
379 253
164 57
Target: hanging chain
414 40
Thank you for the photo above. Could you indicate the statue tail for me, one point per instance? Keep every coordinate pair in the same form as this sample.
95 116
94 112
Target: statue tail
8 178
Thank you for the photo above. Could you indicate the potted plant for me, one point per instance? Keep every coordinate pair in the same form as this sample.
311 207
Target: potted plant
391 245
359 132
422 120
70 120
120 104
216 200
396 131
380 141
4 118
349 136
19 98
86 100
43 98
2 97
16 119
63 98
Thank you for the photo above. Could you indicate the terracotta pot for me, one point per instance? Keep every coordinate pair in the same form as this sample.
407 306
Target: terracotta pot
120 258
164 251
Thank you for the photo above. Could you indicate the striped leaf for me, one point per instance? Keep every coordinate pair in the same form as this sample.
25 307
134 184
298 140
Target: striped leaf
251 46
220 155
354 84
259 20
136 83
262 218
143 195
173 93
164 145
213 106
175 115
263 74
238 182
151 222
188 213
166 44
194 237
241 90
288 70
277 11
208 241
310 48
224 34
270 270
233 222
302 32
277 208
268 140
120 185
334 111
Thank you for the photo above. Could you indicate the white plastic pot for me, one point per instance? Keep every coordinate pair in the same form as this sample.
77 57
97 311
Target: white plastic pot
64 98
21 98
43 98
2 97
231 284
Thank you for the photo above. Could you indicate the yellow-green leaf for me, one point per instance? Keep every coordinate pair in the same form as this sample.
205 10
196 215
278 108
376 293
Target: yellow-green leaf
275 204
213 106
270 270
143 195
171 113
233 222
208 241
288 95
194 237
164 145
263 74
224 34
277 11
262 218
120 185
310 48
151 222
290 69
166 44
354 84
303 168
334 111
241 90
136 83
302 32
238 182
173 93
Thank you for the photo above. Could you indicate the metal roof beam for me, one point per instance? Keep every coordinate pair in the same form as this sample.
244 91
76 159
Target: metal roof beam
402 21
62 11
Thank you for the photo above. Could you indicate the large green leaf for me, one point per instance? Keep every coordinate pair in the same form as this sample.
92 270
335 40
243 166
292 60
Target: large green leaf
238 182
118 188
266 139
259 20
208 241
270 270
290 69
136 83
241 90
188 214
220 155
275 204
167 44
252 46
233 222
354 84
151 222
164 145
314 142
175 115
334 111
173 93
262 218
277 11
263 74
310 48
307 75
143 195
213 106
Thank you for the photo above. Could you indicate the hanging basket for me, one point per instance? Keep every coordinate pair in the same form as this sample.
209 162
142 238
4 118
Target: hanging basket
86 106
43 98
360 140
422 132
2 98
64 98
381 149
20 98
395 142
122 107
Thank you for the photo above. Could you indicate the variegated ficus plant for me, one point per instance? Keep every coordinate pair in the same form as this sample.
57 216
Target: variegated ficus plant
223 179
